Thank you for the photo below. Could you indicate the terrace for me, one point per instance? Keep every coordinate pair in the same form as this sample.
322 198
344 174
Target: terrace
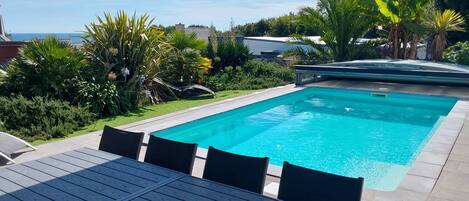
132 109
439 173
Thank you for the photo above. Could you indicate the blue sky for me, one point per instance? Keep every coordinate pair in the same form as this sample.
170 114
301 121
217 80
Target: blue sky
46 16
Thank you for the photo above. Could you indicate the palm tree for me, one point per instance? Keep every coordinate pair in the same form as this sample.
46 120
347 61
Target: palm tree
441 23
340 23
48 68
181 41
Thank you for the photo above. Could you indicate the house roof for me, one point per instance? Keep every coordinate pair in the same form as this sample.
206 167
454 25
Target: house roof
316 39
283 39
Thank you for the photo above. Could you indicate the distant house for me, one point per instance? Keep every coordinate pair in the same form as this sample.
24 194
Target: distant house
202 33
268 47
8 49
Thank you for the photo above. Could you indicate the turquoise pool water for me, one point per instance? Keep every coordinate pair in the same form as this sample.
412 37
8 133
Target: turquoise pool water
345 132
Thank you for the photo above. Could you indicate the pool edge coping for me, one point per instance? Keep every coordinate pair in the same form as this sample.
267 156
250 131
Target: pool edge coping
416 179
415 182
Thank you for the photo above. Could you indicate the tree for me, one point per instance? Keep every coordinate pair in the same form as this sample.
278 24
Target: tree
261 27
48 68
181 40
185 65
441 24
460 6
405 25
230 53
340 23
282 26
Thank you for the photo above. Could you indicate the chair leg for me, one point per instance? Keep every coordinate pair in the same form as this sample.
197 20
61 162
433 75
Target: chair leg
6 157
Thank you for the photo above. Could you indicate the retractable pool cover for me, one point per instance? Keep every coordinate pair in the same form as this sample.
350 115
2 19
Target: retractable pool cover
386 70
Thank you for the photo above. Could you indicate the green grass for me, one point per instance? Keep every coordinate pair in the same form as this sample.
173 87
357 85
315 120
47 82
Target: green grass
151 111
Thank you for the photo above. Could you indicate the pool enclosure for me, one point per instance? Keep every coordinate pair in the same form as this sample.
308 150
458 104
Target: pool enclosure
386 70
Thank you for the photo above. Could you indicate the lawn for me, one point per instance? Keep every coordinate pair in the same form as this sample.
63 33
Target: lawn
151 111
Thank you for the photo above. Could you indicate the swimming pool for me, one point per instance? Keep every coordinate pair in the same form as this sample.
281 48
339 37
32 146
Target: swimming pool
346 132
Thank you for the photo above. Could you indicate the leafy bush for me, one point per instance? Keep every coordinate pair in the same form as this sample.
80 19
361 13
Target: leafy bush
40 118
228 52
126 50
48 68
185 64
101 98
458 53
253 75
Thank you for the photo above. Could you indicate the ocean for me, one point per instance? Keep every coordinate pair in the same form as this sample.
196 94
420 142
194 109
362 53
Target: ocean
73 38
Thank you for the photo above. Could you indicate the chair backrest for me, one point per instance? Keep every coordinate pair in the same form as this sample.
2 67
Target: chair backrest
121 142
171 154
236 170
299 183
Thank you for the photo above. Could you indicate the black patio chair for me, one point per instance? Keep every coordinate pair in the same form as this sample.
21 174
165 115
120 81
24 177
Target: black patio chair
120 142
299 183
236 170
171 154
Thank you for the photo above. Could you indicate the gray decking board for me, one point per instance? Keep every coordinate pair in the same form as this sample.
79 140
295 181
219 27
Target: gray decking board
221 188
116 183
118 166
33 185
204 192
154 196
150 188
105 170
18 191
87 174
129 162
141 199
7 197
67 182
80 176
49 180
182 195
196 189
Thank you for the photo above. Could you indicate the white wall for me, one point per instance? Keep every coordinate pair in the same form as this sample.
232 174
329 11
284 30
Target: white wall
258 46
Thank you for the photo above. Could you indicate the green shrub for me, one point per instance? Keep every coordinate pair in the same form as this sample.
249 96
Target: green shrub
458 53
40 119
48 68
228 52
126 50
253 75
101 98
185 65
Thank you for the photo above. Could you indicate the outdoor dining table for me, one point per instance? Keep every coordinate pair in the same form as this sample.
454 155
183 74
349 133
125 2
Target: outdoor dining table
88 174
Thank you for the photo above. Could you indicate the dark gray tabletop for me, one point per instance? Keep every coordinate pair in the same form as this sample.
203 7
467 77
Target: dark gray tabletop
87 174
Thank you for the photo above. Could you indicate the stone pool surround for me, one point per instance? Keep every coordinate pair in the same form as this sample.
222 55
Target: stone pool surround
426 169
419 184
